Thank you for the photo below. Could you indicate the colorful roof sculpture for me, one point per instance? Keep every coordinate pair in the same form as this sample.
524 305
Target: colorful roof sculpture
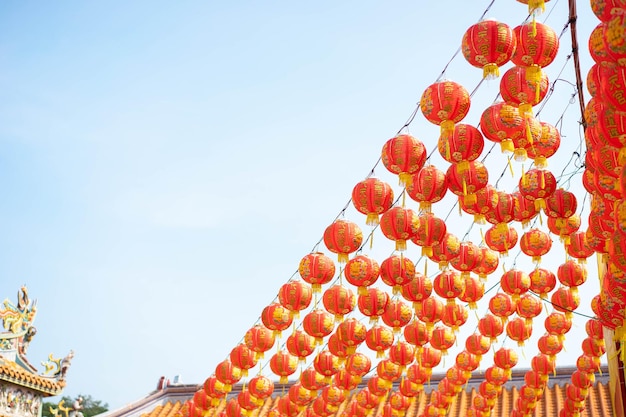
15 337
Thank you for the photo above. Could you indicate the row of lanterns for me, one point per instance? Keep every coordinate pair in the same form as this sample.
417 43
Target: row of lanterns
413 319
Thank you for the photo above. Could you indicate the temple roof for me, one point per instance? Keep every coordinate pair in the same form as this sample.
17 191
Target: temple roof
12 373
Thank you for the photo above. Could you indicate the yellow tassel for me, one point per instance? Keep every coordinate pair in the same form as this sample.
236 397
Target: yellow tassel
362 290
372 219
427 251
507 146
491 71
342 258
541 162
405 179
400 245
447 129
510 166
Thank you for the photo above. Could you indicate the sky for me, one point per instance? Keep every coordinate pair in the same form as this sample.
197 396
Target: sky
166 165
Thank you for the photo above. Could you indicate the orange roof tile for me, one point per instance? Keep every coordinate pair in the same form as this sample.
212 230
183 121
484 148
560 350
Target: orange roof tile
166 410
19 376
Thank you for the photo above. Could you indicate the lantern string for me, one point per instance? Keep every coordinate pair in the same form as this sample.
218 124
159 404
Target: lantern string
560 306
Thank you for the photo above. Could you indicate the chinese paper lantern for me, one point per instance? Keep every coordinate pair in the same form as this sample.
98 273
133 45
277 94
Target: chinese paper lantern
333 395
515 283
519 330
247 401
202 400
457 377
558 324
326 364
488 263
524 86
561 204
362 271
338 347
430 232
396 271
416 333
299 395
502 305
537 44
467 361
542 364
490 326
379 339
358 364
442 338
467 259
243 358
404 155
445 103
542 281
537 184
343 237
467 182
550 344
466 144
503 211
318 324
401 353
589 364
454 316
300 344
409 388
496 375
474 291
345 380
502 123
259 339
276 317
486 198
372 197
448 249
419 374
535 243
524 210
605 10
429 357
339 301
366 399
283 364
505 358
399 402
316 269
594 329
477 344
582 380
545 146
501 238
565 300
261 387
429 311
449 285
399 224
233 409
613 37
351 332
428 186
397 315
311 379
528 307
488 44
295 296
215 388
571 274
373 303
418 289
593 347
286 407
227 373
564 227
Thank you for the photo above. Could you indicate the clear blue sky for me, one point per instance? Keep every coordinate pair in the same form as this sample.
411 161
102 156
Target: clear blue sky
165 165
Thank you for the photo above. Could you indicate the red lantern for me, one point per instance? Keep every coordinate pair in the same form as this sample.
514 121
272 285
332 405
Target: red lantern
505 358
401 353
519 330
283 364
536 185
337 347
399 224
488 44
366 399
542 281
276 317
243 358
467 259
542 364
561 204
286 407
449 285
466 144
501 238
300 344
261 387
545 146
202 400
418 289
372 197
396 271
486 198
227 374
397 315
416 333
430 232
362 271
429 311
528 307
247 401
299 395
429 357
419 374
564 227
502 123
351 332
333 395
525 86
318 324
233 409
490 326
535 243
593 347
571 274
326 363
343 237
339 300
215 388
373 303
488 263
379 339
446 251
442 338
358 364
467 361
404 155
474 291
524 209
537 44
477 344
468 182
316 269
550 344
346 381
589 364
504 210
565 300
311 379
502 305
428 186
454 316
259 339
445 103
295 296
594 329
496 375
515 283
558 324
